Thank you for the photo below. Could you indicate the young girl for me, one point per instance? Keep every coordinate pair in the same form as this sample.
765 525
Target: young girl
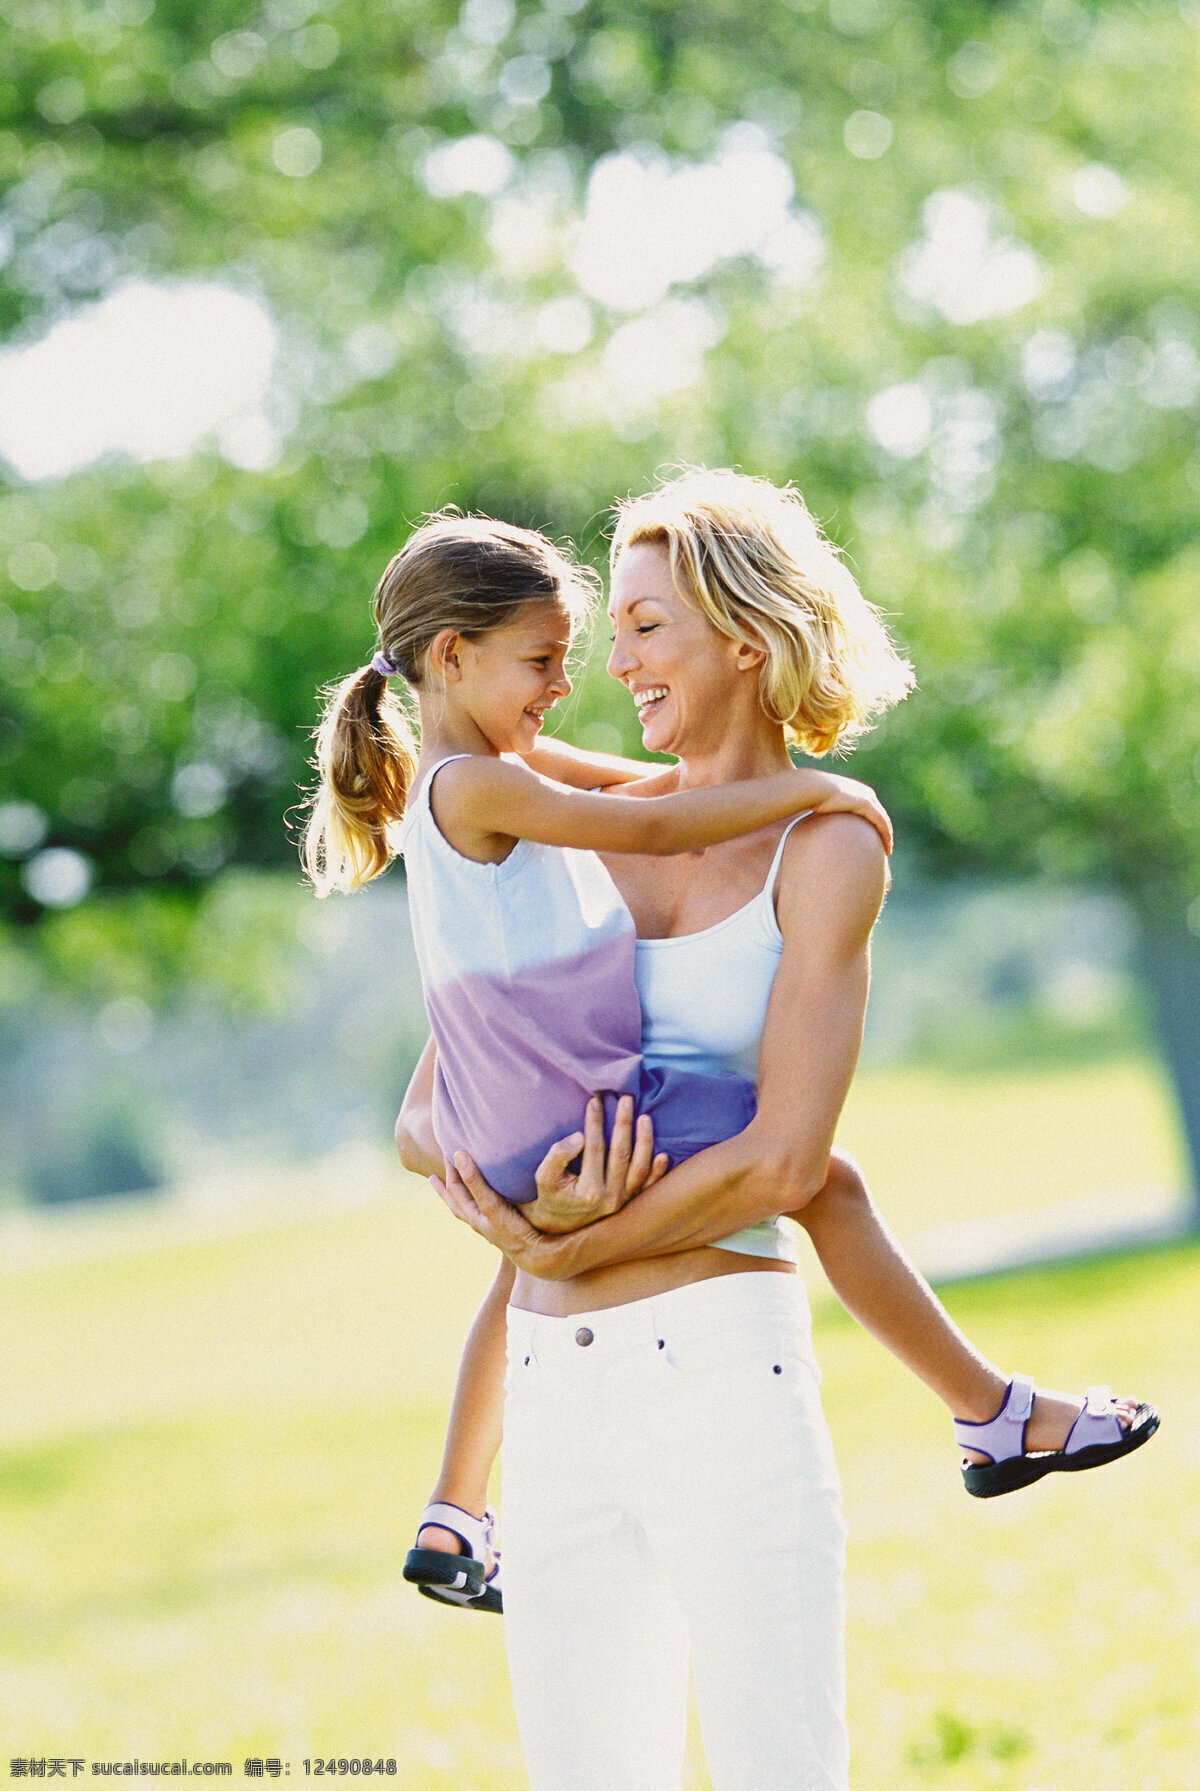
525 949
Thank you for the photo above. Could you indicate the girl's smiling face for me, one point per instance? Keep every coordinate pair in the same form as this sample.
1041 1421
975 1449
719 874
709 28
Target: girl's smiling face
511 675
680 672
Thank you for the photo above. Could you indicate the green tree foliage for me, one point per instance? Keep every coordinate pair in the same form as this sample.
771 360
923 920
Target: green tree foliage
973 339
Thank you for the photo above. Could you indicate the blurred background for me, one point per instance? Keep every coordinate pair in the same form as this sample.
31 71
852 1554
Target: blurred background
275 280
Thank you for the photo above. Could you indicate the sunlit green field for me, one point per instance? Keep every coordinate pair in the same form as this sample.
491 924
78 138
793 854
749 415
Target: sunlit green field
215 1446
940 1148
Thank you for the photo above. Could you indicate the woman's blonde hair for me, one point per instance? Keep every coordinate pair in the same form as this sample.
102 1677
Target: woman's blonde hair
751 557
467 573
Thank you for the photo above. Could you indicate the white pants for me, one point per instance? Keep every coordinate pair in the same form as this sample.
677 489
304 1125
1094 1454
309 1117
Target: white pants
669 1485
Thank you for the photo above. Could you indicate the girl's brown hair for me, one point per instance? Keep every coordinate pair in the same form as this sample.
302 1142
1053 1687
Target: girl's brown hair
751 557
467 573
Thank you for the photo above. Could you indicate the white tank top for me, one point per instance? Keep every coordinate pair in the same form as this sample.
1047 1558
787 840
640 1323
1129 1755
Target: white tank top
704 1001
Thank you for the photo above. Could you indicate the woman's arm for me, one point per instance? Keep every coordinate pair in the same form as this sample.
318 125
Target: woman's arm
414 1125
830 894
481 805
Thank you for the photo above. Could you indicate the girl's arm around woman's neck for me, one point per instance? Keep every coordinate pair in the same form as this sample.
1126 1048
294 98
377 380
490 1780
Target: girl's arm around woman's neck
482 805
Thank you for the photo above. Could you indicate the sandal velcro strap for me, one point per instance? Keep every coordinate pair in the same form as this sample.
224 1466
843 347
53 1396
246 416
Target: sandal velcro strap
1003 1436
1097 1422
474 1533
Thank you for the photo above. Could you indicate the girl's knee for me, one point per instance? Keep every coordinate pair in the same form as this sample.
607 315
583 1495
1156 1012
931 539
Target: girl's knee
845 1178
844 1185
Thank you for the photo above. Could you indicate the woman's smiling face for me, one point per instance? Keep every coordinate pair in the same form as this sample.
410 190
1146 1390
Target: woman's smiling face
680 672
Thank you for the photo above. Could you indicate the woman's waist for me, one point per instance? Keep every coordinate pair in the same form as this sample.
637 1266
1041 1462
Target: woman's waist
584 1341
623 1283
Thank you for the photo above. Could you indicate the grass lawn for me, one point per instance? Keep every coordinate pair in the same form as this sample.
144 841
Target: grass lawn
212 1451
939 1148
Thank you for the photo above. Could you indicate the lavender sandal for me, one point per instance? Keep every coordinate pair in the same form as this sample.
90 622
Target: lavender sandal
1096 1436
458 1579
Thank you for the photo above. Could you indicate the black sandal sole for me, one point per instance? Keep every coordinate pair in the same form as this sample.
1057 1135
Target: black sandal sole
429 1567
489 1599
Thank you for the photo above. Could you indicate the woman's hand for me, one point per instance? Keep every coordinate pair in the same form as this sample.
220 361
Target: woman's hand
606 1180
474 1201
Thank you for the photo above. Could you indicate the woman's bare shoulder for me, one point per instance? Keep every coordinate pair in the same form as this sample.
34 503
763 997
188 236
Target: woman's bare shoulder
834 874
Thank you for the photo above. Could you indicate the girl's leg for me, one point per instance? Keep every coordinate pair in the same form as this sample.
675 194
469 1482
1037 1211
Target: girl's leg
473 1433
880 1287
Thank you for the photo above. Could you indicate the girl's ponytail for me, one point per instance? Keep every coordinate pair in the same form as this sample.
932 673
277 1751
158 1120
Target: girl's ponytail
366 757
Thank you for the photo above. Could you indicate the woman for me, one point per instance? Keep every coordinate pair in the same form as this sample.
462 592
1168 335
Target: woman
668 1474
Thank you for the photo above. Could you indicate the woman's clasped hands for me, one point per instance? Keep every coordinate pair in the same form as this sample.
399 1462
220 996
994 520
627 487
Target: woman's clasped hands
536 1236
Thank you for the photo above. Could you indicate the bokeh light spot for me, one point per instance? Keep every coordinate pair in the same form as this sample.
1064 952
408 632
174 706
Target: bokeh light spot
23 827
149 371
867 135
57 877
297 152
900 419
476 164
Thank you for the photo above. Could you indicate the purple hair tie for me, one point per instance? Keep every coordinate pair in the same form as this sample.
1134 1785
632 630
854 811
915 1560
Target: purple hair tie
383 665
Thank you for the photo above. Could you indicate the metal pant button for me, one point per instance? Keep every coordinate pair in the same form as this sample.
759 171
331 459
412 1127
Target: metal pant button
583 1336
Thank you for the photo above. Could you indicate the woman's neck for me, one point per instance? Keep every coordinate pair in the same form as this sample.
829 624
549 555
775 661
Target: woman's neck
757 749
